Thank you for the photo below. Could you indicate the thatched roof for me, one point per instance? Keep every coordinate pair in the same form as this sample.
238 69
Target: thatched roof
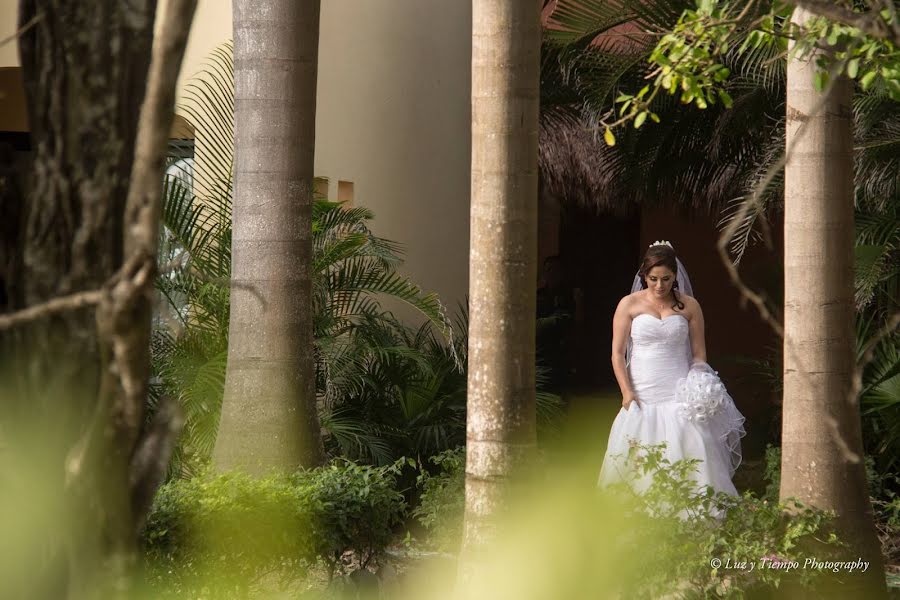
573 166
683 163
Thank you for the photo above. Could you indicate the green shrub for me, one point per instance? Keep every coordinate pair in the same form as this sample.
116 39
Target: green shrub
772 472
442 503
688 527
229 530
232 532
882 493
357 509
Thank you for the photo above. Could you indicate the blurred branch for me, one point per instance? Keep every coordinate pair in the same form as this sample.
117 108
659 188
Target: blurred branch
31 23
51 307
869 23
123 317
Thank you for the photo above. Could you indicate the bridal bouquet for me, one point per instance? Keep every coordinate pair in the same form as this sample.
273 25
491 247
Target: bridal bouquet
701 395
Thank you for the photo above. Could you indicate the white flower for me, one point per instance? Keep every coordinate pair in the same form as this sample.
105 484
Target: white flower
700 396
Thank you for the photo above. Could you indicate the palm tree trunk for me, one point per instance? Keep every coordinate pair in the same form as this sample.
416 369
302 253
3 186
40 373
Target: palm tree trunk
506 37
269 411
822 448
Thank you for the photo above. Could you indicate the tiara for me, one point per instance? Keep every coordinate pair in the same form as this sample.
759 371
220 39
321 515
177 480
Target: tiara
662 243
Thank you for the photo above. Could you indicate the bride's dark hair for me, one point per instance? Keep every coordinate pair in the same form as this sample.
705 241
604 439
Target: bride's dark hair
661 255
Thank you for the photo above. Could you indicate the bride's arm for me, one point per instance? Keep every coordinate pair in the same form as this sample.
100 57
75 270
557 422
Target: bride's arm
698 340
621 331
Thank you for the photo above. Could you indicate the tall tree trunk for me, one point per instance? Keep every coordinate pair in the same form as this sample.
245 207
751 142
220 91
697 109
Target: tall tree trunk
269 416
506 41
822 450
90 241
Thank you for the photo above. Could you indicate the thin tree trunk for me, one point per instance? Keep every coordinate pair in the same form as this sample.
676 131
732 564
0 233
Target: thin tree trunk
506 39
822 450
269 414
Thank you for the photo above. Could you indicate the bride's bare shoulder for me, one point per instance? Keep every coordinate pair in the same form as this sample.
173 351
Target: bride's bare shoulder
690 303
627 303
631 298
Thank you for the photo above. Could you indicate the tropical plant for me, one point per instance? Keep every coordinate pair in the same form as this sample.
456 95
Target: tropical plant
395 390
699 160
880 394
190 336
386 389
442 503
391 390
693 529
355 342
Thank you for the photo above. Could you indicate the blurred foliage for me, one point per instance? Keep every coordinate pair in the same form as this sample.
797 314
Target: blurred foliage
692 525
232 534
673 540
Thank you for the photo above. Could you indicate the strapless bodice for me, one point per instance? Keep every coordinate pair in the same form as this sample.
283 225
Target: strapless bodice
659 356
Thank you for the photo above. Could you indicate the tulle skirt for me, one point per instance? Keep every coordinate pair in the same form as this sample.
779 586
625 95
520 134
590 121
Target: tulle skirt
654 423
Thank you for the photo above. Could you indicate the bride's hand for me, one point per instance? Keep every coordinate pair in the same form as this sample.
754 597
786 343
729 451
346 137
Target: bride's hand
627 399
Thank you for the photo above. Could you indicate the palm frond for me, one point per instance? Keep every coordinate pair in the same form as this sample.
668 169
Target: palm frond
357 438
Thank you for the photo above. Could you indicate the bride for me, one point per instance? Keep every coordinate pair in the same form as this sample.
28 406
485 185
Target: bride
669 392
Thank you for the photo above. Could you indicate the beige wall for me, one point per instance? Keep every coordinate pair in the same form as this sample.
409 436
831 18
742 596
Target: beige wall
9 52
393 119
211 27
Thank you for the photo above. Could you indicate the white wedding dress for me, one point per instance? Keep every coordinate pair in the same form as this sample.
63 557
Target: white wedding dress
658 361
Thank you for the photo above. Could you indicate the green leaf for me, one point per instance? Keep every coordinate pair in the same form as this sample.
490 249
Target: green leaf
867 79
893 88
820 80
609 138
726 99
853 68
639 120
668 83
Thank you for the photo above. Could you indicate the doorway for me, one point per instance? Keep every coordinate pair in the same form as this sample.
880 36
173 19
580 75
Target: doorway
600 253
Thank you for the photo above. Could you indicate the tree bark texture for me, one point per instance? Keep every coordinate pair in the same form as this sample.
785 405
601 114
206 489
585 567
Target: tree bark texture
822 450
85 69
500 427
84 370
269 418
